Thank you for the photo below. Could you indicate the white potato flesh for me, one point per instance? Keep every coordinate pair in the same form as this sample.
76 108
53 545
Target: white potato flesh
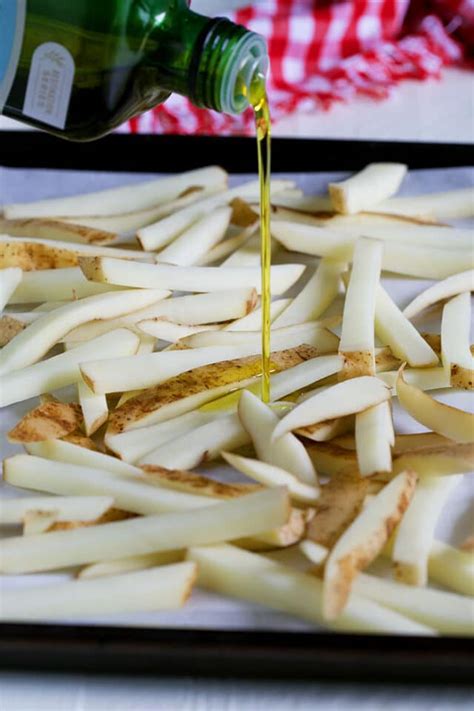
452 568
127 565
357 333
455 341
222 521
443 611
199 445
36 339
232 571
346 398
81 250
227 247
69 453
196 279
10 279
270 475
304 374
54 285
253 320
452 204
119 200
288 452
94 408
197 240
374 436
423 378
315 297
362 191
161 233
314 552
164 588
65 508
63 369
415 534
453 285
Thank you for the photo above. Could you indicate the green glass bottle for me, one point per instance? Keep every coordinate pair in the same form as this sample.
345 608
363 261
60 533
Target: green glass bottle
80 68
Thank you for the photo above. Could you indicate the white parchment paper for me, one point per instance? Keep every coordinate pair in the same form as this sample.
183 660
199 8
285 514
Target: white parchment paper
207 610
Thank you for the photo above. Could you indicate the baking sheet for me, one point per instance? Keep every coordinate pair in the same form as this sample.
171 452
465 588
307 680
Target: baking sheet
207 610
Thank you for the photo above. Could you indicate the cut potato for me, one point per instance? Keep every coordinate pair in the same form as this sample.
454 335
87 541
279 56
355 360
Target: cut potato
94 408
191 310
270 475
11 278
133 444
316 296
191 483
422 378
223 521
363 540
161 233
413 541
199 445
437 416
63 369
51 420
64 508
178 278
396 331
443 611
452 568
362 191
327 430
443 460
171 332
227 247
348 397
374 437
357 334
455 342
197 240
253 320
70 453
452 204
453 285
41 335
163 588
55 229
316 553
56 285
119 200
127 565
231 571
38 521
287 453
194 388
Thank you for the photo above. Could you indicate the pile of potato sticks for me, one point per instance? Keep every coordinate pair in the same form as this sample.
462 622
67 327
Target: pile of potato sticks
143 300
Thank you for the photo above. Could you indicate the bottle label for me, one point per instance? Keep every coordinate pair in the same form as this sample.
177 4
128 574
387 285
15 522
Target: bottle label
12 25
49 87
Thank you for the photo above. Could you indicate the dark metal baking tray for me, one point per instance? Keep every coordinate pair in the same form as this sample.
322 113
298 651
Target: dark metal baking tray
230 653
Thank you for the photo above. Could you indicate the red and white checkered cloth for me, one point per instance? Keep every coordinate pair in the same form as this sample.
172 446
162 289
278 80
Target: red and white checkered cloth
325 51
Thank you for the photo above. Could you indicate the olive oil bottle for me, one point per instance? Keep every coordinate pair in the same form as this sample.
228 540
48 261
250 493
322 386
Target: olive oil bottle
80 68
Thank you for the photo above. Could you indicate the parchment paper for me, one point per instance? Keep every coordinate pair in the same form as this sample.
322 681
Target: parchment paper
207 610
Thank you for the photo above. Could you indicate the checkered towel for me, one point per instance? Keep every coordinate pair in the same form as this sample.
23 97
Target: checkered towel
326 51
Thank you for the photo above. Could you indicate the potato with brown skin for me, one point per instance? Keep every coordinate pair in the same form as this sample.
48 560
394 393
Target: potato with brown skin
52 420
191 483
56 229
9 328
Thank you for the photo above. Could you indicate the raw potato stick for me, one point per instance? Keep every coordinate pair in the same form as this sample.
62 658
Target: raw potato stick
37 338
178 278
56 229
452 204
63 369
135 493
65 508
362 191
446 420
192 310
315 297
350 396
192 245
415 534
224 521
396 331
10 278
127 565
288 453
94 408
374 437
119 200
161 233
164 588
357 335
68 453
363 540
423 378
455 341
443 611
453 285
231 571
253 320
55 285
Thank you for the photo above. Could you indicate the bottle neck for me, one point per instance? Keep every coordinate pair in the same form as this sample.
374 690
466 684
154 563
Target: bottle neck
214 62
